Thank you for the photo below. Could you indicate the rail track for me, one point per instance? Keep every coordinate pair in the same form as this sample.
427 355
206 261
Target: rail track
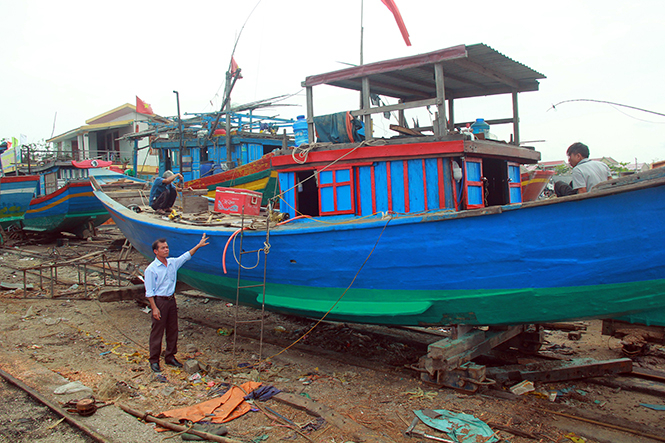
27 416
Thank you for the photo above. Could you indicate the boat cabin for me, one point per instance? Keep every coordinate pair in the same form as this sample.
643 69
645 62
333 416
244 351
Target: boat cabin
342 171
199 147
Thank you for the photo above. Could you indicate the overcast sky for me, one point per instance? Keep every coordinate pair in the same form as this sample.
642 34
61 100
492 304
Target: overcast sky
68 61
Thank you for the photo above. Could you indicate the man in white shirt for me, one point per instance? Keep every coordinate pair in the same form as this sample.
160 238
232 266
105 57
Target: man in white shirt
586 173
160 280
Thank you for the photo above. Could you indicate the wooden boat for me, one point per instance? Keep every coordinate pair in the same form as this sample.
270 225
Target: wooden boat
65 201
534 183
426 230
15 195
254 176
72 208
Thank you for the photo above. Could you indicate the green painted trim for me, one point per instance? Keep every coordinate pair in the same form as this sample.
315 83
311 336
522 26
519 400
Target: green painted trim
473 307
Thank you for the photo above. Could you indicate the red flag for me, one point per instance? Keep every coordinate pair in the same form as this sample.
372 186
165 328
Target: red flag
143 107
398 18
234 67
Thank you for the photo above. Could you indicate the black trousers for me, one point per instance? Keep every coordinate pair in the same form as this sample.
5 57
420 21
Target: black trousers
165 200
167 324
562 189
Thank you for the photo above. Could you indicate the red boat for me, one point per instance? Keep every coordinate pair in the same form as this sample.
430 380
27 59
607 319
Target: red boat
533 184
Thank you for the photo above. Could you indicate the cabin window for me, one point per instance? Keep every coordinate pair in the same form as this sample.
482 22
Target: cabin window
514 183
336 191
474 183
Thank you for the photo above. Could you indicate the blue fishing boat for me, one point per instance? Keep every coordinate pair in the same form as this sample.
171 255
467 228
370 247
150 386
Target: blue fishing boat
15 195
65 201
72 208
427 227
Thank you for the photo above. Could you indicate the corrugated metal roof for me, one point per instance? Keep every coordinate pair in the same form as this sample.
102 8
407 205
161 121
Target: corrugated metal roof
469 71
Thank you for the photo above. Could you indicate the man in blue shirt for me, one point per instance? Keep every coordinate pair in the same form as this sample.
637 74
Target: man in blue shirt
163 193
160 280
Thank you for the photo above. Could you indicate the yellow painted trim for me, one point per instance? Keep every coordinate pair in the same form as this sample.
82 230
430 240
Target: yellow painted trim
57 202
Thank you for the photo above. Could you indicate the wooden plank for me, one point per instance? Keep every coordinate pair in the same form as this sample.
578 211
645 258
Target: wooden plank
397 107
564 326
405 131
632 384
560 370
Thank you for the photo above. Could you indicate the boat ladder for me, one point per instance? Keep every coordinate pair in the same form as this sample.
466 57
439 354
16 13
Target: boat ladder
240 287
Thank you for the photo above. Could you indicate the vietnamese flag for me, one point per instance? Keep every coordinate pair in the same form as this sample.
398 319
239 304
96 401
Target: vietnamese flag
143 107
398 18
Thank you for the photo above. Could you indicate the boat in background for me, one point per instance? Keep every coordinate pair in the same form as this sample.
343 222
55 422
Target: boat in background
65 201
534 183
208 157
15 195
72 208
254 176
424 229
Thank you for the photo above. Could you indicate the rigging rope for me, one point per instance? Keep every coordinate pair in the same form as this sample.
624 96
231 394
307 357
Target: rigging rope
607 103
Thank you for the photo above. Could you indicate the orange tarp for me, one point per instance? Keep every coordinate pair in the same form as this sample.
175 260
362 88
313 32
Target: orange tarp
222 409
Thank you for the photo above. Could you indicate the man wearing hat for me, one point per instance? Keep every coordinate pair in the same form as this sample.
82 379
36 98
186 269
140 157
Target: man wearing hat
163 192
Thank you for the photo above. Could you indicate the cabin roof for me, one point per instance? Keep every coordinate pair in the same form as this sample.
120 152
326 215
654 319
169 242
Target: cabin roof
469 71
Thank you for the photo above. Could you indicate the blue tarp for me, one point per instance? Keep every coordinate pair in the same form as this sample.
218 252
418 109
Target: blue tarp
462 428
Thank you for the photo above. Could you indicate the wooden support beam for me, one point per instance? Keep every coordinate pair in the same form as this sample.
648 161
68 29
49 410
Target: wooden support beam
441 125
367 119
516 120
310 114
560 370
396 107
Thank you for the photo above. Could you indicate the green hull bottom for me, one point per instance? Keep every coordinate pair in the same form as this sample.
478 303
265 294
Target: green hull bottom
441 307
6 222
74 223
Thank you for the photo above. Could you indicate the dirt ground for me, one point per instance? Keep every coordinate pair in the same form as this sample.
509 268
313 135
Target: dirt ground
360 373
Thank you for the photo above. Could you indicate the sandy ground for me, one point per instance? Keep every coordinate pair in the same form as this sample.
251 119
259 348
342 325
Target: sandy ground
358 372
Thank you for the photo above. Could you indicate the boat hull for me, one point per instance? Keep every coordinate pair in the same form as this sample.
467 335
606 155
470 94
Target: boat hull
15 196
537 262
69 209
255 176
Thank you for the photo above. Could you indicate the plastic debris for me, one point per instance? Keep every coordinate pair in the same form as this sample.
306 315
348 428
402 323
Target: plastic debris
523 387
313 425
29 313
224 331
654 407
263 393
210 428
194 377
463 428
70 388
419 393
574 438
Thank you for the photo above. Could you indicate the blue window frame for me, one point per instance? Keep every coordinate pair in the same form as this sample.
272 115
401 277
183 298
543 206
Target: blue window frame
514 183
474 183
336 191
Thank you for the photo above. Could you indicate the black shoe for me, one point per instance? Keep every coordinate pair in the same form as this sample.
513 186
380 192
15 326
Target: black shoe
155 367
173 362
